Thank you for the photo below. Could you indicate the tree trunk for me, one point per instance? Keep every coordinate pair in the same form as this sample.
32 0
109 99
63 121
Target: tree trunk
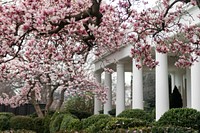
62 94
38 109
36 105
49 99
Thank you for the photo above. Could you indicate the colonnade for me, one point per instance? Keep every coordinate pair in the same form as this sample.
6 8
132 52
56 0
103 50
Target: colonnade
191 95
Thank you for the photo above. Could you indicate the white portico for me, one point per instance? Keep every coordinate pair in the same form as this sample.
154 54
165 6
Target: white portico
187 80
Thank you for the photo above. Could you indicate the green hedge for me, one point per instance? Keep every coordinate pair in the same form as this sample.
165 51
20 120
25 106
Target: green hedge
55 123
66 119
80 114
38 124
98 126
74 125
7 114
172 129
47 120
155 129
69 122
93 119
183 117
5 120
112 112
21 122
136 113
4 123
101 122
18 131
124 123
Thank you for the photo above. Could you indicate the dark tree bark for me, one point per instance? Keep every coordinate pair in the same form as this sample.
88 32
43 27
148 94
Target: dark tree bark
61 100
36 105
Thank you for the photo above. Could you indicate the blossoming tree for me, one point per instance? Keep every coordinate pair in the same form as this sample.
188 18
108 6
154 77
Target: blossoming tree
46 43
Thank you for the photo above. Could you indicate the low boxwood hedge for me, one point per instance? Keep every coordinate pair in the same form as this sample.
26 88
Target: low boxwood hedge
80 114
5 120
18 131
38 124
55 123
21 122
93 119
47 121
155 129
183 117
124 123
7 114
98 126
4 123
70 122
137 114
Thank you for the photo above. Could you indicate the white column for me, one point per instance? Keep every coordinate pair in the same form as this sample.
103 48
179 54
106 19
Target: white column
184 91
97 102
172 82
137 87
188 87
162 92
195 85
108 84
120 93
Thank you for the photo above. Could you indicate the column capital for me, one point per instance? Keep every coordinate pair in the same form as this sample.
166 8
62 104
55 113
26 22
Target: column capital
120 64
98 72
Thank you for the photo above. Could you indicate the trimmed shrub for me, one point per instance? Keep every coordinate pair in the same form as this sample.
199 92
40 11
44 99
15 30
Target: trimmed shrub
112 112
169 129
70 122
172 129
98 126
33 115
183 117
50 112
4 123
66 119
59 113
38 124
47 120
101 111
80 103
65 131
93 119
124 123
18 131
56 122
153 114
5 120
137 114
7 114
80 114
74 125
21 122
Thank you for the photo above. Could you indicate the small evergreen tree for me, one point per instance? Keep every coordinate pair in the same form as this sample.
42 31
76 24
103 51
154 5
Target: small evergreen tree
176 99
